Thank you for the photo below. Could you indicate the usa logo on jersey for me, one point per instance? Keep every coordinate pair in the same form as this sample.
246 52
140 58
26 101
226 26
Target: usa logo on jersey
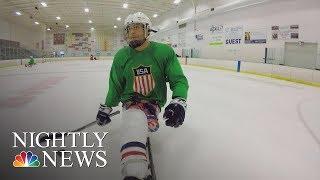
143 80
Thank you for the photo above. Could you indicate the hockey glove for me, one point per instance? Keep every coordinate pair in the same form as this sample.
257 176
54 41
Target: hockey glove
174 113
103 115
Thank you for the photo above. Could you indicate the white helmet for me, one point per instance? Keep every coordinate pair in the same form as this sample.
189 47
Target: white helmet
137 18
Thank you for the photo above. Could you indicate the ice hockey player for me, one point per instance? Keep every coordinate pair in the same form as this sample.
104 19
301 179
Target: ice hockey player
31 62
138 79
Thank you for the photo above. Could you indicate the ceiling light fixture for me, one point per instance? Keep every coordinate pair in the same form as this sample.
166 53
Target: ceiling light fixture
176 1
44 4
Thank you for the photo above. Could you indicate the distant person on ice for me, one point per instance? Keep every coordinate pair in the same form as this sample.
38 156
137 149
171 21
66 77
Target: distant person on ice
93 57
138 79
31 62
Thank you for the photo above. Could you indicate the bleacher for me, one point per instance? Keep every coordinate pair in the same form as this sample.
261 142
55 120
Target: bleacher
14 50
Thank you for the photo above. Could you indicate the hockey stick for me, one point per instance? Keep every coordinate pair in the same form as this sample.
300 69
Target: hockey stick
153 172
57 135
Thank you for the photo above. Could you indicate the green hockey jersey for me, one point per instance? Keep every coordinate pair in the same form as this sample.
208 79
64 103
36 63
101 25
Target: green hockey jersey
31 61
145 73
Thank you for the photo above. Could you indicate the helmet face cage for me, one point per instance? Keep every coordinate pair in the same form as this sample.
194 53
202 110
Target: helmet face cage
145 27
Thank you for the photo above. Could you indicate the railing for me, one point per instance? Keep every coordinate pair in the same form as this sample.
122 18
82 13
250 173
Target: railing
14 50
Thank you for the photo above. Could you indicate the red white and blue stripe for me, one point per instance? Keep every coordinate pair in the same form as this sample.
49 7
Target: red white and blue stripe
133 150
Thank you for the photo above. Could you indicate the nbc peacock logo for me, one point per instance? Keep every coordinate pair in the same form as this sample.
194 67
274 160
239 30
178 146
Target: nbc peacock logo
26 160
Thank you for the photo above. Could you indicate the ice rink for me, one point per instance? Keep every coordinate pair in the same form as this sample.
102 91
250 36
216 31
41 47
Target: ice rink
238 126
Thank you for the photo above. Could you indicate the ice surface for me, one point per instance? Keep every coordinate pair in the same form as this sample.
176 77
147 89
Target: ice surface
238 126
